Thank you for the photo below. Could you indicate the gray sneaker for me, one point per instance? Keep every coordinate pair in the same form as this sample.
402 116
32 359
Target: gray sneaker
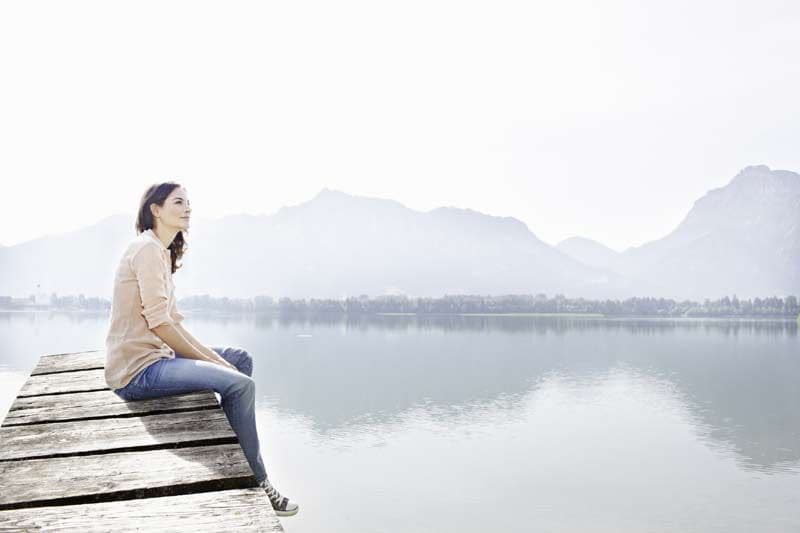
282 505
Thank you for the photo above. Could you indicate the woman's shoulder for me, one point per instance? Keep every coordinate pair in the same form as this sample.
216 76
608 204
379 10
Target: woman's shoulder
138 242
141 246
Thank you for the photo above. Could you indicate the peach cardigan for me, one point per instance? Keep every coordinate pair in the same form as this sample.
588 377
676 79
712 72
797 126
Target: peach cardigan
144 297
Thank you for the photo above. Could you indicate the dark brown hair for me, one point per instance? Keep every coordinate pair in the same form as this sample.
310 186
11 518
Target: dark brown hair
157 194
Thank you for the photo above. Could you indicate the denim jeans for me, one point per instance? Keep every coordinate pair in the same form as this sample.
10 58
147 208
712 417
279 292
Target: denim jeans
167 377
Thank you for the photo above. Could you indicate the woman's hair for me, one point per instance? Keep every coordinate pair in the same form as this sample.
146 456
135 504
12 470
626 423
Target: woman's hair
157 194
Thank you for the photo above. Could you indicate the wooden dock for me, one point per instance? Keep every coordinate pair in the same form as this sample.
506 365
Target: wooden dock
76 457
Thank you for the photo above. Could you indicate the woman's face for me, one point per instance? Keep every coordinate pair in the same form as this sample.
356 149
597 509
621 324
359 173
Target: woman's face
175 212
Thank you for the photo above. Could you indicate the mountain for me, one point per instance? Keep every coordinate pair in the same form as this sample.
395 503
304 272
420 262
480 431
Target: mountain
589 252
334 245
338 244
76 262
743 238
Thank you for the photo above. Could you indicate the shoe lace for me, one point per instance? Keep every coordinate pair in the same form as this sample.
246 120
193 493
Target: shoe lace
274 496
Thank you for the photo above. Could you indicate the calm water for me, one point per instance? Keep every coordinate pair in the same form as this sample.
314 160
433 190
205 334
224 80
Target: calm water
469 424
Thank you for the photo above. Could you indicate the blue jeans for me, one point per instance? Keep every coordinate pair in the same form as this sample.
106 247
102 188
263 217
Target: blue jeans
167 377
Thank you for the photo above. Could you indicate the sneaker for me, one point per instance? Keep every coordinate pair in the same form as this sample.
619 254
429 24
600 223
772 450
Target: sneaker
282 505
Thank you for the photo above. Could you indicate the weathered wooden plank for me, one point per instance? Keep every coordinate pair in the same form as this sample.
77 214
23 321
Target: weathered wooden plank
80 381
93 478
60 383
88 436
99 404
70 361
165 464
241 510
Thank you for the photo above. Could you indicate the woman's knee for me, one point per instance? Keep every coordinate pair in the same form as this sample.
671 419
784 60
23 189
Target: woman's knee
241 386
245 362
238 357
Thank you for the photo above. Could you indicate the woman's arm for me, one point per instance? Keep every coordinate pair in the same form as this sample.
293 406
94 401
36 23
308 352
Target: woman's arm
202 347
151 276
172 334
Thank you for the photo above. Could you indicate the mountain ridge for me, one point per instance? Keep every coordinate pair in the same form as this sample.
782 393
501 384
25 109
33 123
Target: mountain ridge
742 238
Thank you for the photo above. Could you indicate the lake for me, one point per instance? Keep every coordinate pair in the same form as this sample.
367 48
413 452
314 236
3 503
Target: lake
513 424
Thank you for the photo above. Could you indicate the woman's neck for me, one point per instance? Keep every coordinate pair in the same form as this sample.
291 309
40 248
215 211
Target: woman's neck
165 235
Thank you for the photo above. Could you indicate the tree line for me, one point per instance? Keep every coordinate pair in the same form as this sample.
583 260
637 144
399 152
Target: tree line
542 304
773 306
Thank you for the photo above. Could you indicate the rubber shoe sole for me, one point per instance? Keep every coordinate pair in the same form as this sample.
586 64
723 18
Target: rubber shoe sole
287 512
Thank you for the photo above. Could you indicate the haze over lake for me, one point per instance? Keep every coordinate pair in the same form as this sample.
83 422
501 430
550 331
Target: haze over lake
451 423
507 266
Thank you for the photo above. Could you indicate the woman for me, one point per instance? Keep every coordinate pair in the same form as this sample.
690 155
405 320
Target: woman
149 353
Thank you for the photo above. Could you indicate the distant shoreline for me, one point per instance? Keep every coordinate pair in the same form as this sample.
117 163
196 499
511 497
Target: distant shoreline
212 312
606 317
581 315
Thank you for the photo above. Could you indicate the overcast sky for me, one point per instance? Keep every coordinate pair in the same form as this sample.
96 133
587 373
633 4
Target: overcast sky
602 119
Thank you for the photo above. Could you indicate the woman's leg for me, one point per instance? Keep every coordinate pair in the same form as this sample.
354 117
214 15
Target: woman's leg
167 377
238 357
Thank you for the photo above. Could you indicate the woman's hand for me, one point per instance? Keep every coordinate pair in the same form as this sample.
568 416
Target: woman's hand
222 362
214 357
225 363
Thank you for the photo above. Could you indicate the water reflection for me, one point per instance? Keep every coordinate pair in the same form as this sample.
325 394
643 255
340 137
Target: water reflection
529 324
737 379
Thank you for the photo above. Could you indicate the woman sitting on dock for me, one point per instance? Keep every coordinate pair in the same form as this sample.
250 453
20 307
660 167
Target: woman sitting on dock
149 353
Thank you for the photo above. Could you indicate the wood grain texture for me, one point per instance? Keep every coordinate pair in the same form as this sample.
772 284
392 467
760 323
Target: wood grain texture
97 404
93 478
80 381
87 436
76 457
70 361
230 511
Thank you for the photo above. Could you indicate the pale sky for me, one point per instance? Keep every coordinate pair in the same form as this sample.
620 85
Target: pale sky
601 119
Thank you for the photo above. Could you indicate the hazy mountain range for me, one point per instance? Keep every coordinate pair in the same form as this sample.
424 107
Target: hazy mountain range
589 252
743 238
